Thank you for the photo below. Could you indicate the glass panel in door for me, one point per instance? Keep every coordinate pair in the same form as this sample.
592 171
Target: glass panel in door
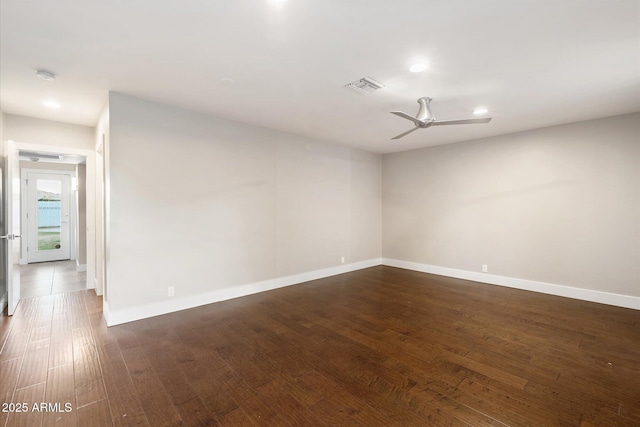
49 220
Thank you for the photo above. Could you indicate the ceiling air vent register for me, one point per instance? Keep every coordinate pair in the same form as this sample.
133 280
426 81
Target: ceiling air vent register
365 85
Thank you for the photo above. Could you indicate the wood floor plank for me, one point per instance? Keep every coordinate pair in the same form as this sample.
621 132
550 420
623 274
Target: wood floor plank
212 385
60 391
630 411
9 372
100 331
61 346
89 384
235 418
270 404
17 341
194 413
95 414
31 397
183 395
34 365
123 401
154 399
6 323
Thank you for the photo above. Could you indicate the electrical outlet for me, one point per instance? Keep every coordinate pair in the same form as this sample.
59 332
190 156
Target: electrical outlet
342 260
171 291
484 268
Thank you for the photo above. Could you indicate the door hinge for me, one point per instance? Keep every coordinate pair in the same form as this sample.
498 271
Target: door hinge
26 181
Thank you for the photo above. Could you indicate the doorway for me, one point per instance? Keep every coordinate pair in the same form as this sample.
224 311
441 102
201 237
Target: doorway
78 274
48 218
53 223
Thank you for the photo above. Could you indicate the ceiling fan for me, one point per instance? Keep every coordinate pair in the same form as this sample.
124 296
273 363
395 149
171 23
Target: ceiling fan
425 119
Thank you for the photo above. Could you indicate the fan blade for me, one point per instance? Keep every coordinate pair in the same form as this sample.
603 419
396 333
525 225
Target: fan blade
405 116
461 122
406 133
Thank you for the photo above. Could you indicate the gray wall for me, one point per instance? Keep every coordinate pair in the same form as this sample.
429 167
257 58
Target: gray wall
202 203
558 205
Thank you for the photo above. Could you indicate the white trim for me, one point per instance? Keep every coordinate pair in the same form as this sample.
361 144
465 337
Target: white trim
131 314
81 267
139 312
619 300
105 311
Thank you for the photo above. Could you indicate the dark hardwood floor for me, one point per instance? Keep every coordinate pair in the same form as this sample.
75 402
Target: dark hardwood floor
376 347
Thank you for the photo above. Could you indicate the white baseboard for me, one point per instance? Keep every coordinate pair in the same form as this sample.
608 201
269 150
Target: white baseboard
4 300
131 314
105 312
81 267
619 300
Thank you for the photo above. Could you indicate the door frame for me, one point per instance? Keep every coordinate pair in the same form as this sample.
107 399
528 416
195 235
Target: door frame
11 200
91 182
73 209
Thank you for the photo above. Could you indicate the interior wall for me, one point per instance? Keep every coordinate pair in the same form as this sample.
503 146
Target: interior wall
202 203
559 205
47 132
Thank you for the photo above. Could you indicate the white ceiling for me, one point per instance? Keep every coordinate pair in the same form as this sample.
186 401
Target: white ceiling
534 63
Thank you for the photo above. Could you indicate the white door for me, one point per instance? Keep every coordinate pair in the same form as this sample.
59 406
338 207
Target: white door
11 230
48 217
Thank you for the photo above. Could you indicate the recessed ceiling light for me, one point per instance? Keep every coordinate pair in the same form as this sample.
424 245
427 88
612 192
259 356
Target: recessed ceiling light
480 111
418 67
45 75
227 81
51 104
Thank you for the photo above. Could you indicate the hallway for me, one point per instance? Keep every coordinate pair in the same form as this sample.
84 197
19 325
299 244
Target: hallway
50 278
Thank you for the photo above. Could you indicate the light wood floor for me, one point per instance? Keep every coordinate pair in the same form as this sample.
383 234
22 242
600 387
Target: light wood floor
376 347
